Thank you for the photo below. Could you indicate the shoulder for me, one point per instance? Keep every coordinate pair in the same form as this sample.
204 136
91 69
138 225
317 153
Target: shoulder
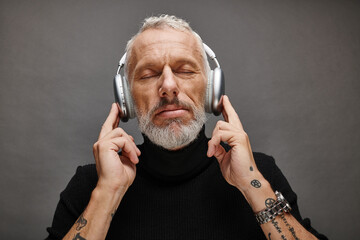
78 190
85 175
88 170
263 160
266 165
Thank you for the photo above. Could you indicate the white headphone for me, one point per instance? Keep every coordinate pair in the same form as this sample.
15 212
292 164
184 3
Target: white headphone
214 91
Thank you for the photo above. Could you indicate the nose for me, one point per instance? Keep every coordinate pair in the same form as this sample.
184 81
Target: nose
169 87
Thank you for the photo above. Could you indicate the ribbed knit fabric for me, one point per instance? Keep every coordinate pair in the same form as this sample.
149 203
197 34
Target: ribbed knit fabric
175 195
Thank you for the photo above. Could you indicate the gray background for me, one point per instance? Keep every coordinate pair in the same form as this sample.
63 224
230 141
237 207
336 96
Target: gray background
292 72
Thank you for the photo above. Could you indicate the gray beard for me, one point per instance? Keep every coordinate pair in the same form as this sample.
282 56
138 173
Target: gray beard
175 134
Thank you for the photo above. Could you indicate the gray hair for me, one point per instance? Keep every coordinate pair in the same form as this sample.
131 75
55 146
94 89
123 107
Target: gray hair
160 22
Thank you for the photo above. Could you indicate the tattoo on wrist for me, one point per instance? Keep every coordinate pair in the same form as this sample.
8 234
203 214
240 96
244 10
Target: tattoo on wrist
269 202
276 225
81 222
251 168
291 229
78 237
255 183
278 229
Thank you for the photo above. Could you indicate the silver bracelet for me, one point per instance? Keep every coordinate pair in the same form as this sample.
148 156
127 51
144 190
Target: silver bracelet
277 208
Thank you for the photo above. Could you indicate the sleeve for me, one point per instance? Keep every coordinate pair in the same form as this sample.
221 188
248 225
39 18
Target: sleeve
73 201
279 182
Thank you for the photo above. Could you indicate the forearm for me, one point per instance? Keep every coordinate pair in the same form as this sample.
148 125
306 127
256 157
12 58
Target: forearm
95 221
284 226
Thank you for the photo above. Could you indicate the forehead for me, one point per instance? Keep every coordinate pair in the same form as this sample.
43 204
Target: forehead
165 43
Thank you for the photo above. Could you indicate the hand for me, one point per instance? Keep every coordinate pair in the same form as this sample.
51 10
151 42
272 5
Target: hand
237 165
116 173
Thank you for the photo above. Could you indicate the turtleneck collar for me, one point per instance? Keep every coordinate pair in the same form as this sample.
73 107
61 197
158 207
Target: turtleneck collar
178 165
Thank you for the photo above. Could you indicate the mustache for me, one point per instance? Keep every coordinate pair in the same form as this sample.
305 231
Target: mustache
175 101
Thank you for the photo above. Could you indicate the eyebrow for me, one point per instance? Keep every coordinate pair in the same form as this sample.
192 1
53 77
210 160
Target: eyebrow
188 61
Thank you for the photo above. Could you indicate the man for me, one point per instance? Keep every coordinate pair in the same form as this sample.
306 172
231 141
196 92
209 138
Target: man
178 184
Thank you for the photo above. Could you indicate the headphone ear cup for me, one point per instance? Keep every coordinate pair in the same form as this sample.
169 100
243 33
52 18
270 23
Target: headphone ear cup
120 98
129 103
215 90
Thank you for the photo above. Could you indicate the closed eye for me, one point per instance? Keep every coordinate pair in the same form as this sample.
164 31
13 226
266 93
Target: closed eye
184 73
149 77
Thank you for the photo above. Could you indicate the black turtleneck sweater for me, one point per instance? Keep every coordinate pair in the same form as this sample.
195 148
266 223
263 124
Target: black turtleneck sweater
175 195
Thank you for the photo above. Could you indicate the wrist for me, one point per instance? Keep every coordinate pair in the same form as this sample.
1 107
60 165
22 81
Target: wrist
274 208
257 191
106 199
111 188
248 184
98 215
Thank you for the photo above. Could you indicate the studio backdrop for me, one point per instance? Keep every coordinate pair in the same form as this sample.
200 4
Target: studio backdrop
291 71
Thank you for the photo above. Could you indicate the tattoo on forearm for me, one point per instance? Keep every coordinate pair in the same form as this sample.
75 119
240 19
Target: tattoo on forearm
278 229
255 183
269 202
276 225
81 222
251 168
78 237
291 229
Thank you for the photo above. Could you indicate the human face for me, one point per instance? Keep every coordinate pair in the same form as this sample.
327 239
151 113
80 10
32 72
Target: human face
166 66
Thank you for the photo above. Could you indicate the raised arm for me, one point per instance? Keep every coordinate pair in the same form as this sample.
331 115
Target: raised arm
115 173
239 169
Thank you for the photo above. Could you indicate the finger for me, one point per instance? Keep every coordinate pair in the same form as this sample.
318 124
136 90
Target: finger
226 118
126 161
223 110
219 153
214 147
215 135
229 113
127 147
117 122
225 132
119 132
110 121
229 137
214 141
131 141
